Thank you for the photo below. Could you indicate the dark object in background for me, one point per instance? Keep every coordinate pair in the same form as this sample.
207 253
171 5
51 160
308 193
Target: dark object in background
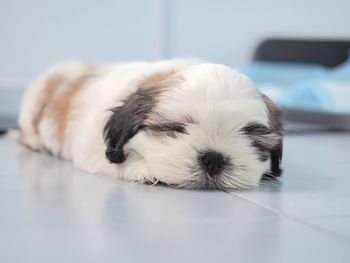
327 53
10 98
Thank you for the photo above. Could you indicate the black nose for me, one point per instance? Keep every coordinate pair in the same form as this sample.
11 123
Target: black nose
212 162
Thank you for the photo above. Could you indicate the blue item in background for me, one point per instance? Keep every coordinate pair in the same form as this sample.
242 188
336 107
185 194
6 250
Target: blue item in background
303 86
281 73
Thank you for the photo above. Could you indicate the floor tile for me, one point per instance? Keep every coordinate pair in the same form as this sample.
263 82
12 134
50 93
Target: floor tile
172 240
9 156
316 177
339 225
53 212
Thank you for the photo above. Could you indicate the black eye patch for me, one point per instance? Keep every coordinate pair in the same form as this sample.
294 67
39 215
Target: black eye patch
263 138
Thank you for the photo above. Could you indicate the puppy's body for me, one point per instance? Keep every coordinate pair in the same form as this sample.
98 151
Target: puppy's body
182 122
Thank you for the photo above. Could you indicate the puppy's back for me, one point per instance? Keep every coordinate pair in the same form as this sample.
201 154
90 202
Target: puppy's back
47 103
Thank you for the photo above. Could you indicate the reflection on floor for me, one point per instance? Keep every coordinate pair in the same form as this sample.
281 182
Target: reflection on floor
52 212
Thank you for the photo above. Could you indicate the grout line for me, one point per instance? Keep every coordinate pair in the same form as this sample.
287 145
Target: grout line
299 220
327 217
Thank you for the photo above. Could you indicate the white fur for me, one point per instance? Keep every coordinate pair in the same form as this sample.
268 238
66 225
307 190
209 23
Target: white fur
221 101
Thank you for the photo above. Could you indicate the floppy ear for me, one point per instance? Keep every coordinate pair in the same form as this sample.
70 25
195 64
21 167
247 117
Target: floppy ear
276 124
276 159
127 120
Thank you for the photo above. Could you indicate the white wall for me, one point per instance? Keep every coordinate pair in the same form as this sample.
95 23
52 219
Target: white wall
228 31
37 33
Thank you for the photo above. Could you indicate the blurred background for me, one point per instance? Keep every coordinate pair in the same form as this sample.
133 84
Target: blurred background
36 34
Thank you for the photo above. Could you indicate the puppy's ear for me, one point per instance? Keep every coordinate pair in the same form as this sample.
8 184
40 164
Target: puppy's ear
276 124
127 120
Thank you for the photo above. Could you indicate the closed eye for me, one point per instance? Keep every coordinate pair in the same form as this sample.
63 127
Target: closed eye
256 129
168 129
165 127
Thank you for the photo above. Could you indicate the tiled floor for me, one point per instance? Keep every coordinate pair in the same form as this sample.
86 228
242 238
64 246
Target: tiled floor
52 212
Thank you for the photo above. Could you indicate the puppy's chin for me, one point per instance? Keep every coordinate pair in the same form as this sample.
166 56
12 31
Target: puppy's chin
194 179
225 181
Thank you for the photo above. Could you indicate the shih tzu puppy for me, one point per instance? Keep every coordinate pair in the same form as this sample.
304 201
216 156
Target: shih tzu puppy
180 122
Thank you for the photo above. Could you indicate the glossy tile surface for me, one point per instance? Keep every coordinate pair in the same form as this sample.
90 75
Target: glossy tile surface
53 212
339 225
316 179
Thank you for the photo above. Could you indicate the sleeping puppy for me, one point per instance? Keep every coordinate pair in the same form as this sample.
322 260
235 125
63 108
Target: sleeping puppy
179 122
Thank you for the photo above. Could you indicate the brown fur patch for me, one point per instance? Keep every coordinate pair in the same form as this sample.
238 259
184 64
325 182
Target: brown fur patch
45 98
156 78
60 109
